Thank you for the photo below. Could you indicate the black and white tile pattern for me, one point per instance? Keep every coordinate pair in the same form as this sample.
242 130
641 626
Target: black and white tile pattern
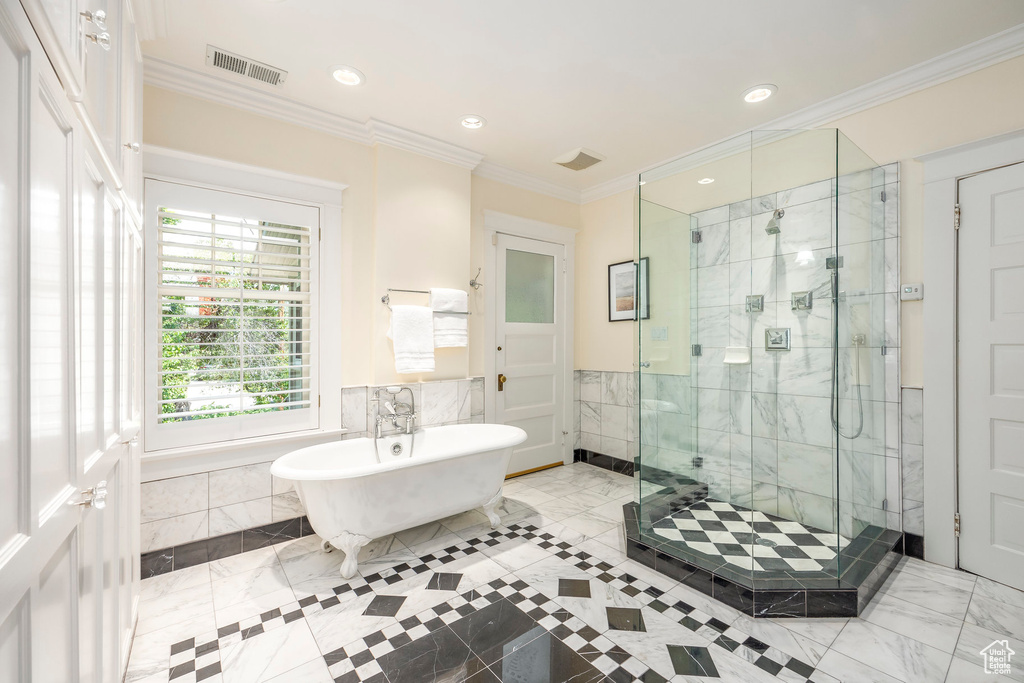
717 528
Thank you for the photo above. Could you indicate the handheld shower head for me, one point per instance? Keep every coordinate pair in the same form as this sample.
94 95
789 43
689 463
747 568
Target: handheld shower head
773 227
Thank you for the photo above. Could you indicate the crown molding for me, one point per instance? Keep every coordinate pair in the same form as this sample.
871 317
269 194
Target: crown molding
526 181
163 74
973 57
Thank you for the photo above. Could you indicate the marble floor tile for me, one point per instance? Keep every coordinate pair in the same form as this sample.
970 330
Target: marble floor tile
313 671
250 584
236 564
172 582
240 610
589 524
151 649
532 496
422 534
998 616
961 670
990 590
257 660
823 631
974 639
904 658
920 623
550 659
848 669
790 642
935 596
172 608
928 570
515 554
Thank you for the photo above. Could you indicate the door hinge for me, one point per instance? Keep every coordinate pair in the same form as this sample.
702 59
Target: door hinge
563 265
956 216
318 399
883 196
695 350
319 234
695 237
956 525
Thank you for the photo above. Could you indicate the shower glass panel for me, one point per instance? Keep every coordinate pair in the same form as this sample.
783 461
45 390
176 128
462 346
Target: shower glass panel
768 363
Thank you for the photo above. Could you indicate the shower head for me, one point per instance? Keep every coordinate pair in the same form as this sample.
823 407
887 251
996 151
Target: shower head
773 225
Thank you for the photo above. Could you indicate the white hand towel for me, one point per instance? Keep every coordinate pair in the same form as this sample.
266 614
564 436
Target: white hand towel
451 324
412 333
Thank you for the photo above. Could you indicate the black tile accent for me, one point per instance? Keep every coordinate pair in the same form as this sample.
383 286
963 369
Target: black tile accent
574 588
546 659
780 603
625 619
435 656
271 534
913 546
443 581
157 562
605 462
495 630
384 606
692 661
736 596
827 603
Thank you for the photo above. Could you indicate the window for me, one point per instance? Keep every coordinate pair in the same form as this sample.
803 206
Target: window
232 315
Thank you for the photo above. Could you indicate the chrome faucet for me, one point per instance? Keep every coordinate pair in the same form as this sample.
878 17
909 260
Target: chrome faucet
396 410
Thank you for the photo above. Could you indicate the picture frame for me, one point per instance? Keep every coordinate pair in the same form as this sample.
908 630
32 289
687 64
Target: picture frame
625 280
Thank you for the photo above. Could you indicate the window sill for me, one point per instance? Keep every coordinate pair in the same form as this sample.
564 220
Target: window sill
177 462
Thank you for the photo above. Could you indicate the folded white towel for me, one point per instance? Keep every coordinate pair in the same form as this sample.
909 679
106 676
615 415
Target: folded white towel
412 332
451 324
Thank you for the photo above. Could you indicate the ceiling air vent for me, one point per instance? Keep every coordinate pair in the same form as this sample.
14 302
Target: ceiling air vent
236 64
579 159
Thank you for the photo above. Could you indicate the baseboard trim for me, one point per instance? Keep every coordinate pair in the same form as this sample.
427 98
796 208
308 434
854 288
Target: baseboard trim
157 562
605 462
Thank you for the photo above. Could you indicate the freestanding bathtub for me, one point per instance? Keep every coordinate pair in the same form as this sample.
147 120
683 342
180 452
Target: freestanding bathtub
353 496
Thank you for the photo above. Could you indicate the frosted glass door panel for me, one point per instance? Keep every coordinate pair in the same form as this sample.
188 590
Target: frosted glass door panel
529 287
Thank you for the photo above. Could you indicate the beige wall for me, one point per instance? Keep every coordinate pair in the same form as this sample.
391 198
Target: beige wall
973 107
409 222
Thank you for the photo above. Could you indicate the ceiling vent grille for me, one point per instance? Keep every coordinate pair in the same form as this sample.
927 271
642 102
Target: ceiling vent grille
236 64
579 159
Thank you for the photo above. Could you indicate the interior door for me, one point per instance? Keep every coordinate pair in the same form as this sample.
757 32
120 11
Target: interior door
991 374
530 358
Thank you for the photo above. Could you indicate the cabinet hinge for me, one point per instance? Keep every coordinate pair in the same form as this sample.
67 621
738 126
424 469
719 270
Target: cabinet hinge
319 234
956 525
318 399
956 216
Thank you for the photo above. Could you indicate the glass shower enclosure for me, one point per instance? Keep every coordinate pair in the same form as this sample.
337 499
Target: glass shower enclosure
767 351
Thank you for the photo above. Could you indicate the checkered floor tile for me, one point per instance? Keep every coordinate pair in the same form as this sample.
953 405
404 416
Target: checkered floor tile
722 529
197 659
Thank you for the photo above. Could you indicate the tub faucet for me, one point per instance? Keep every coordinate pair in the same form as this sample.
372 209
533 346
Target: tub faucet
397 410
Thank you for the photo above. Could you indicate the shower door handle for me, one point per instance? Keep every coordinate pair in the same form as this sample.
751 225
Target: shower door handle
501 382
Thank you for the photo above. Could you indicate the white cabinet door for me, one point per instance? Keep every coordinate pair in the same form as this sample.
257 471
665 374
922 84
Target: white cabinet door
62 30
530 333
102 73
991 374
60 427
131 112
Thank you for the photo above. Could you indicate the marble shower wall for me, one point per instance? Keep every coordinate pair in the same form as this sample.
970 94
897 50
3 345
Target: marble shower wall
179 510
913 461
605 415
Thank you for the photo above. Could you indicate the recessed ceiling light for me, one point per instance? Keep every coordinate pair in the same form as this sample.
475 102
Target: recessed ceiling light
347 75
760 93
705 181
473 121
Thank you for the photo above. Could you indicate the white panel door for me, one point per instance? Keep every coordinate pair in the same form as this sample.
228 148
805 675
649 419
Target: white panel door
530 359
991 374
60 432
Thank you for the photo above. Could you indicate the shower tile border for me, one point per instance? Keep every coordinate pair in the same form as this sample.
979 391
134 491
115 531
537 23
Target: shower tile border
846 596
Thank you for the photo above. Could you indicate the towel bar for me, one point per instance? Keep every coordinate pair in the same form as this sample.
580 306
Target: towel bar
386 299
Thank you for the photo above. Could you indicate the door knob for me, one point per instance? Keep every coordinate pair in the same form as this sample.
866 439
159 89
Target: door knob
501 382
101 39
95 497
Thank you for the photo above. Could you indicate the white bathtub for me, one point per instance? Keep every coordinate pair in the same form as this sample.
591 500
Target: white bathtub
351 498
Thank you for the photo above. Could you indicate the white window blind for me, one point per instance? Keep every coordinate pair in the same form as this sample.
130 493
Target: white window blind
234 293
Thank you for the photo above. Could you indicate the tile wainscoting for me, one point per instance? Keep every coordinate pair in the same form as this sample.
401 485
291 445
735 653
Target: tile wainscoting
181 510
912 449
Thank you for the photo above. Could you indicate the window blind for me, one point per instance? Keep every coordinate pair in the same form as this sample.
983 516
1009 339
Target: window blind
235 314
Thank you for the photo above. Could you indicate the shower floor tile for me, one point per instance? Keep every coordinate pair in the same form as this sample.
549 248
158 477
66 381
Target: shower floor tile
717 528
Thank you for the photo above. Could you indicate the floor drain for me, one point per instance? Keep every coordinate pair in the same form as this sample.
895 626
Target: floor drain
765 542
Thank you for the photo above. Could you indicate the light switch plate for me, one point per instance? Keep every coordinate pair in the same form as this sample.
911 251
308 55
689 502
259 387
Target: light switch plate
912 292
659 333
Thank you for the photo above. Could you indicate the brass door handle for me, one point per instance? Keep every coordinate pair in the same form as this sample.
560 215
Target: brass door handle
501 382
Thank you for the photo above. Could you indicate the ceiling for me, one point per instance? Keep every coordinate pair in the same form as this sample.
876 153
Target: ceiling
638 82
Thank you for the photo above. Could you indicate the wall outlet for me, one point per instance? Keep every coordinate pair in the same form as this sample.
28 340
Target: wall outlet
912 292
659 333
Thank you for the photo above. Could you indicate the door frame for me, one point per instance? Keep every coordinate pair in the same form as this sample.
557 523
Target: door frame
943 171
506 224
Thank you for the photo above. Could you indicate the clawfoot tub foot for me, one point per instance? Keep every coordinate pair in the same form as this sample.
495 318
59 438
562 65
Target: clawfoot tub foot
350 544
490 511
326 546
